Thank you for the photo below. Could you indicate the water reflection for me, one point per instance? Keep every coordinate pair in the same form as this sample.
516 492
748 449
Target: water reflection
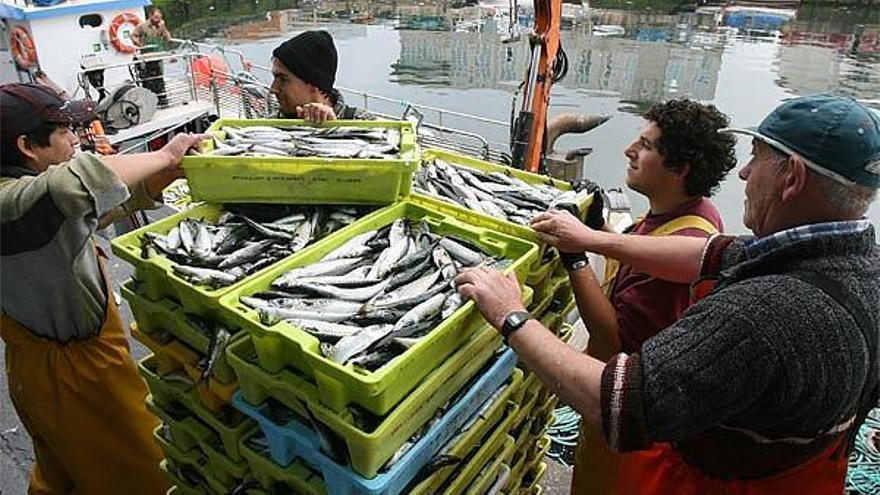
657 57
642 57
619 64
638 71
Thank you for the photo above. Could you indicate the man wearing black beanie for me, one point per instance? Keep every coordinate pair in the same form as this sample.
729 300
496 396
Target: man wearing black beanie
303 71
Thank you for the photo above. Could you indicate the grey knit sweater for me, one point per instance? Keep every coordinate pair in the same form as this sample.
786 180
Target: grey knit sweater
764 356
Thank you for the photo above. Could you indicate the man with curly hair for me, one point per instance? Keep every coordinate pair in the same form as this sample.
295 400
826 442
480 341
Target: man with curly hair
677 163
761 386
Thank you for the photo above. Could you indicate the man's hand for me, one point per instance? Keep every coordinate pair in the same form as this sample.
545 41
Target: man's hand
595 219
563 231
495 295
315 112
175 149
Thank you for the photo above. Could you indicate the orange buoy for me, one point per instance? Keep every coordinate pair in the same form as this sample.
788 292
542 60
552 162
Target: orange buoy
120 32
23 50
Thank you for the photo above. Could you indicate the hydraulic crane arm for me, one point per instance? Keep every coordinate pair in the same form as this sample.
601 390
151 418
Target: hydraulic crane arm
527 142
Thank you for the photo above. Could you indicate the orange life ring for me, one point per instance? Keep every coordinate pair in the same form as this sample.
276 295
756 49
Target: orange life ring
121 40
23 50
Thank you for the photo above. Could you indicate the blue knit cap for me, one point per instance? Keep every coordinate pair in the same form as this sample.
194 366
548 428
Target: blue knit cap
836 136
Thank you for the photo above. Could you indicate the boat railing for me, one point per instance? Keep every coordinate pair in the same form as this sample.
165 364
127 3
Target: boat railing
225 85
450 129
234 87
439 128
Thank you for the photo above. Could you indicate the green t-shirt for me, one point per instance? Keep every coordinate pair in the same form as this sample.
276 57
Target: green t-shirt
153 39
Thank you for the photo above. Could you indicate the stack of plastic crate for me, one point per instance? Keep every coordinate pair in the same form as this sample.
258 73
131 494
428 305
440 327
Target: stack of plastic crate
326 427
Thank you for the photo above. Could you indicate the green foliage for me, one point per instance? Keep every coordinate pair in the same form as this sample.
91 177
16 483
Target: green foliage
187 18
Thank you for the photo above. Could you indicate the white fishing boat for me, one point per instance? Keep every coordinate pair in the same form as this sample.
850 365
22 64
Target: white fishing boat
85 48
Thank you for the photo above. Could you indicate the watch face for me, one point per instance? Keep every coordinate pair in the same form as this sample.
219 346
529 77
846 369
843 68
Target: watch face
516 320
513 322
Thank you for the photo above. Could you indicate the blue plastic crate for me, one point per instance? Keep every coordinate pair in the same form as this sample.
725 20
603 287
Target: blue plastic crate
295 439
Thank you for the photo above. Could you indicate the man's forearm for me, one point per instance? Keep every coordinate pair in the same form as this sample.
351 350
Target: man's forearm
132 169
672 258
573 376
596 311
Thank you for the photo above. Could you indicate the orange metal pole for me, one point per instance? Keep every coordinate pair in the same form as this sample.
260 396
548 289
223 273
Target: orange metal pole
548 14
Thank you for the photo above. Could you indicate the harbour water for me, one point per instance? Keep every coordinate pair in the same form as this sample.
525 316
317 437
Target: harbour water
745 71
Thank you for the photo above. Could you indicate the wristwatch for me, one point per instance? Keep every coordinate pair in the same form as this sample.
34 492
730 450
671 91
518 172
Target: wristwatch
513 322
574 261
577 265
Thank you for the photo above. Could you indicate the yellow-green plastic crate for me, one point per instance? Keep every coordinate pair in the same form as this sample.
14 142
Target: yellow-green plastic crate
527 404
532 382
566 332
523 436
490 450
155 278
544 395
533 477
368 450
539 427
518 465
187 432
563 301
189 435
212 394
499 416
541 277
481 218
539 451
551 321
298 477
303 180
173 355
570 306
540 305
174 490
283 344
220 471
492 469
182 487
210 486
193 456
157 318
544 407
230 425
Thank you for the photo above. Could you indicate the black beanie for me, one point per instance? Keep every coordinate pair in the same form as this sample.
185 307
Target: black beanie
311 56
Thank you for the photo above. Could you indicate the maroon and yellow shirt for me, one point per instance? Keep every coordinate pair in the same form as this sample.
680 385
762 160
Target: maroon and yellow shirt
645 304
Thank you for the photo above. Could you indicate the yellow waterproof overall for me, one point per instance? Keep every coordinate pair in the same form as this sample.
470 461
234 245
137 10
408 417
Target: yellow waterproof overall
83 405
596 465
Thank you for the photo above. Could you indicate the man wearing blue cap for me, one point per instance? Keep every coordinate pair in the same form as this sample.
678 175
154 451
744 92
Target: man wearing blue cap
762 384
303 74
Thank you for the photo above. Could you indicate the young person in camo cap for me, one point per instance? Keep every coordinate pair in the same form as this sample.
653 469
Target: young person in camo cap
71 376
760 387
303 74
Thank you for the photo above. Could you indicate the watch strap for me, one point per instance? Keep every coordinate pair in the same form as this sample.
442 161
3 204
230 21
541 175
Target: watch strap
513 322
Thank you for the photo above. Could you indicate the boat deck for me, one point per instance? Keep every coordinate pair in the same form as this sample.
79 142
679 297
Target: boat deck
164 118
